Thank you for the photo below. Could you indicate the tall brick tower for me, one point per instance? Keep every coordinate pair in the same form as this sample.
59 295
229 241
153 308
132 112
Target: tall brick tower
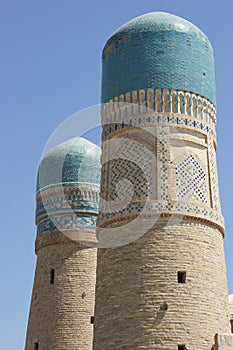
163 284
62 304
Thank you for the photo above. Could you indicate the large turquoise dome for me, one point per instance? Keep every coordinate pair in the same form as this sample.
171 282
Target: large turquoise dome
76 161
158 50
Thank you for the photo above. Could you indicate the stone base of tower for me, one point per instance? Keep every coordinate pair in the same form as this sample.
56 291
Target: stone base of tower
144 302
223 341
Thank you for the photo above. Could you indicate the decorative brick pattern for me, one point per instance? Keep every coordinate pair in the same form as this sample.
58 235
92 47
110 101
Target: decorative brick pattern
202 200
175 102
191 179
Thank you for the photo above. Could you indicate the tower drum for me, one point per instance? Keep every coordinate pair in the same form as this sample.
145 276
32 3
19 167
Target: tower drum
161 279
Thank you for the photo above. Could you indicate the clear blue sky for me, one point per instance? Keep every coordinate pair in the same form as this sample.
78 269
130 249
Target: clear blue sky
50 68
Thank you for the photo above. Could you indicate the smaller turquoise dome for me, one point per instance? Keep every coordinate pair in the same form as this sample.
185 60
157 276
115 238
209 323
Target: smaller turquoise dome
72 162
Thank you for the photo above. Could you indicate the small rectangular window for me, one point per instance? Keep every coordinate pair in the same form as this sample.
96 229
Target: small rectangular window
52 274
36 346
181 347
92 320
181 275
232 326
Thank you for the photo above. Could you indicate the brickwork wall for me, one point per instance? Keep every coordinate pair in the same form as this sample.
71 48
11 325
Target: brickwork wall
60 312
134 282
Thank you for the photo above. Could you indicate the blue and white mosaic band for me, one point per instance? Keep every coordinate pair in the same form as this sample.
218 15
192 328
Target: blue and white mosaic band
67 206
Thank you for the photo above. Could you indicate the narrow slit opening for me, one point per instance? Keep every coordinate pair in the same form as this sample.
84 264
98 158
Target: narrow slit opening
52 275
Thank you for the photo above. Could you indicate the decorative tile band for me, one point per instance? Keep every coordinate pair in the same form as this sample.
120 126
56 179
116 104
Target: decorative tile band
73 206
165 208
153 119
68 221
160 101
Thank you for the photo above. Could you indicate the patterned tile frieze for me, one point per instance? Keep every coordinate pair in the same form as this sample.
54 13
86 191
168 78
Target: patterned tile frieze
70 221
160 101
167 208
154 119
74 205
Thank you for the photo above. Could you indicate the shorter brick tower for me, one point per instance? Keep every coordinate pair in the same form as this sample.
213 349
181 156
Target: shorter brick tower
62 302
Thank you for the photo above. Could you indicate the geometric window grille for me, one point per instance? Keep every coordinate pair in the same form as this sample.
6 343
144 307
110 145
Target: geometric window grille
193 178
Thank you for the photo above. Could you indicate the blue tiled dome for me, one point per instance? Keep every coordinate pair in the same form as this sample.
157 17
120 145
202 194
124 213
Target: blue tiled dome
158 50
74 161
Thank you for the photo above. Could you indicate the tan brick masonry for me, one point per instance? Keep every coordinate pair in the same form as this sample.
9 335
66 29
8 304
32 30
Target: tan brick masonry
137 282
60 312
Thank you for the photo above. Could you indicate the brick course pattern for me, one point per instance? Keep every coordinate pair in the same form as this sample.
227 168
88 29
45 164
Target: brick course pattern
134 282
